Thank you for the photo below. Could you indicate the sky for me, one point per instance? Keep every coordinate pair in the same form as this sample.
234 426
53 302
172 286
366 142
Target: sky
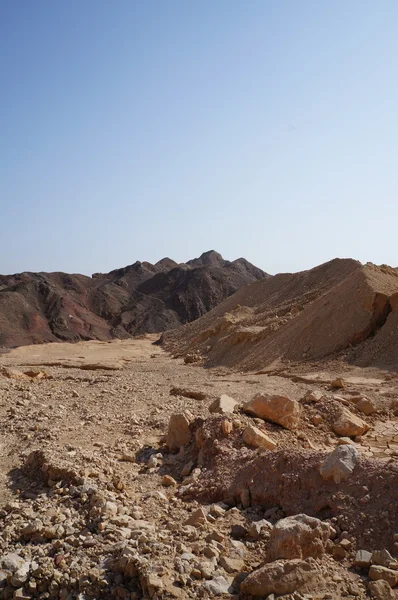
134 130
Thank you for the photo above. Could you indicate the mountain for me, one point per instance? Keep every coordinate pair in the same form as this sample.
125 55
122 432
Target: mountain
340 307
139 298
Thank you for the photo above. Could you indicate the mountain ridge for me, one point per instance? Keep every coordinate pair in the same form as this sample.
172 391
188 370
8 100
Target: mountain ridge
135 299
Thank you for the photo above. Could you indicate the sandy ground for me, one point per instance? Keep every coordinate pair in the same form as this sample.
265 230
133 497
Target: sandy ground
105 410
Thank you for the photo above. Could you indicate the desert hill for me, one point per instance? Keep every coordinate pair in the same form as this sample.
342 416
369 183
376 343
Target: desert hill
340 306
139 298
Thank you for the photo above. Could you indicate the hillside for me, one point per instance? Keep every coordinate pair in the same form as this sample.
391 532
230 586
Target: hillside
139 298
339 306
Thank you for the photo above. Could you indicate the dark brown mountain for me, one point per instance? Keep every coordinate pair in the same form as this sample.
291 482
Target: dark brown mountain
139 298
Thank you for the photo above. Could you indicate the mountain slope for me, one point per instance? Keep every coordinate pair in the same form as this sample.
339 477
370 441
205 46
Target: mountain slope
139 298
341 305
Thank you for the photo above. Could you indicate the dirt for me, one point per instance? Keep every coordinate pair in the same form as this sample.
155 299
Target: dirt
141 298
101 413
341 309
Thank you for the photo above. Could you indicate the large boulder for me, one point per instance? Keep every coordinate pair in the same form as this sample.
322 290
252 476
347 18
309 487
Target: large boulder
380 590
179 433
300 536
349 425
283 577
252 436
278 409
339 464
377 573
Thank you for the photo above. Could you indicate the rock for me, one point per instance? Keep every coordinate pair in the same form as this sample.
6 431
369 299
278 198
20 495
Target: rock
313 396
380 590
339 464
152 462
252 436
366 406
197 518
223 405
227 427
349 424
231 565
238 531
20 594
259 528
338 551
278 409
191 358
382 558
338 383
377 572
11 562
20 576
283 577
3 578
193 394
363 559
168 481
317 419
187 468
217 586
300 536
179 434
344 441
217 511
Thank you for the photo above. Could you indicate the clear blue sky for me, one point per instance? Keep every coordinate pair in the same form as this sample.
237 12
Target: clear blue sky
133 130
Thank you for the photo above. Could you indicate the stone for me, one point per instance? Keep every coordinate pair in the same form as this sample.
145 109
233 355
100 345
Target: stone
187 468
313 396
259 528
283 577
152 462
382 558
278 409
179 433
366 406
231 565
223 405
252 436
197 518
338 383
345 441
380 590
11 562
20 594
349 425
193 394
168 481
339 465
227 427
377 572
363 559
299 536
338 551
217 586
20 576
238 531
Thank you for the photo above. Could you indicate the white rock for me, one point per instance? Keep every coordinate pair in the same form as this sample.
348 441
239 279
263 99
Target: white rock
339 464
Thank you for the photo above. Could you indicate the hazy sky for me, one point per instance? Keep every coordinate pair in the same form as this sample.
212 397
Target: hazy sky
132 130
